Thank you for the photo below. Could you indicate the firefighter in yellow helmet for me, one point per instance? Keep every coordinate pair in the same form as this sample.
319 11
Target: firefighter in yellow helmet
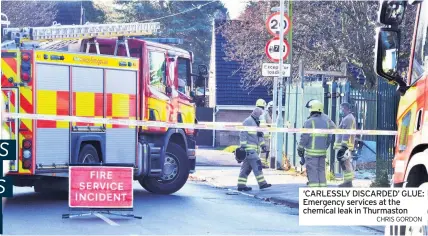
313 147
261 103
251 142
266 121
345 144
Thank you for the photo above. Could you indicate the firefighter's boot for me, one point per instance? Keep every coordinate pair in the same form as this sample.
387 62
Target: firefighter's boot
266 186
347 184
245 189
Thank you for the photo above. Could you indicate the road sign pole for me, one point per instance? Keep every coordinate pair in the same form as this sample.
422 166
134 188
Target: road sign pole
279 122
290 62
273 135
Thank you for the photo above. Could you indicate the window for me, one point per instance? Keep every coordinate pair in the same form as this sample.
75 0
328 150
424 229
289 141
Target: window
157 70
418 121
404 132
183 74
420 60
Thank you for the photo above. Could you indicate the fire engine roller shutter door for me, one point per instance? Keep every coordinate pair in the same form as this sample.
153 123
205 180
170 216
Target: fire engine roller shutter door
87 86
121 90
52 137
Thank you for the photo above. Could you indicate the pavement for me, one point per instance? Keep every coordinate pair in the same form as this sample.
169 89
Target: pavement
197 209
219 169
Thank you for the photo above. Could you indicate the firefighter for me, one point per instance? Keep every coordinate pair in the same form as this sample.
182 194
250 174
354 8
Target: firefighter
266 121
313 147
261 103
252 142
344 143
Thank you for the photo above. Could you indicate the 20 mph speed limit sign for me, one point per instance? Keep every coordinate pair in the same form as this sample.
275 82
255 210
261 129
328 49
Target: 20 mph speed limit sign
272 49
273 24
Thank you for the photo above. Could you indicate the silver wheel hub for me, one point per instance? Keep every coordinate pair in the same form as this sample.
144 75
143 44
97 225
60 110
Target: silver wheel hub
170 168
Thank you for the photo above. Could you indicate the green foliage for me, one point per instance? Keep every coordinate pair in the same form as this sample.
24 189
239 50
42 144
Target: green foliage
44 13
330 175
177 21
324 34
382 178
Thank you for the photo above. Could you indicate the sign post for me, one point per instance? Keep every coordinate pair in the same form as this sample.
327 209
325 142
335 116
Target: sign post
277 49
101 189
272 69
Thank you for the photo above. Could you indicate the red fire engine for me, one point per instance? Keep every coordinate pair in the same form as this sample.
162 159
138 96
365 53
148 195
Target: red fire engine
98 71
411 148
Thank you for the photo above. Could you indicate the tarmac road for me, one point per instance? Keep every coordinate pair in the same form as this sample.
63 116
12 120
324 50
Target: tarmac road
196 209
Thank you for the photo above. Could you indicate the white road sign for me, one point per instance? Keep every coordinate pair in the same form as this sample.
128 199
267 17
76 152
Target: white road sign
272 70
272 49
273 24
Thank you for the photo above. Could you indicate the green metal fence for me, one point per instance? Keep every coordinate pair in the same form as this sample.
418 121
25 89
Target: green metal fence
373 109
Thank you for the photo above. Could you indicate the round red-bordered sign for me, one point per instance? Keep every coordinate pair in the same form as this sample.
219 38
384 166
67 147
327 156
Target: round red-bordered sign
271 52
272 24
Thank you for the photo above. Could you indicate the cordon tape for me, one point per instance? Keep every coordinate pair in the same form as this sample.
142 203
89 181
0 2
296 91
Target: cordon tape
222 126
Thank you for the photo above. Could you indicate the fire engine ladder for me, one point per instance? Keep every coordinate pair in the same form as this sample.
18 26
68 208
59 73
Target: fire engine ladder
57 36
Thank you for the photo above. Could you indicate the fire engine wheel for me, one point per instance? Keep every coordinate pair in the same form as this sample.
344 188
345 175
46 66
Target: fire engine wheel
88 154
175 169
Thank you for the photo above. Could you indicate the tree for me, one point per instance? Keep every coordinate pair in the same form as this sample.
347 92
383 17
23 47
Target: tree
29 13
325 34
179 19
44 13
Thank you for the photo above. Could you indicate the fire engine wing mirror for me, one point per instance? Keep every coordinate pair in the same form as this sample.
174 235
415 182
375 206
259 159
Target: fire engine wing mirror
200 82
203 70
387 55
391 12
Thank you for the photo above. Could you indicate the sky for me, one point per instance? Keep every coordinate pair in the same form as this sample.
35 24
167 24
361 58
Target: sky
235 7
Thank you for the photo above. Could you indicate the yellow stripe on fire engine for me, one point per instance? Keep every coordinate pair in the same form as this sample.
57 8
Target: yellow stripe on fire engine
160 108
188 113
87 60
47 104
120 105
8 71
6 124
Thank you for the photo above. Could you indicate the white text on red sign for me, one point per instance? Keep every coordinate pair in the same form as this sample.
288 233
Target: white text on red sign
101 187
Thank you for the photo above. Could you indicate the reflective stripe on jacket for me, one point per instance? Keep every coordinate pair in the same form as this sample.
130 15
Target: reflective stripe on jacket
249 138
348 140
316 145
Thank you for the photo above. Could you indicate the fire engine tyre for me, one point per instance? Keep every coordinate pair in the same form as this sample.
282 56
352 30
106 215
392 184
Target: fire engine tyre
176 172
88 155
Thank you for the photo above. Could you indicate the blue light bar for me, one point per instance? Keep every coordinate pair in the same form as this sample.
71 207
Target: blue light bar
163 40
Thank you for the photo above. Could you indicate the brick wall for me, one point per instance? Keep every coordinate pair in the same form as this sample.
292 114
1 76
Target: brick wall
227 138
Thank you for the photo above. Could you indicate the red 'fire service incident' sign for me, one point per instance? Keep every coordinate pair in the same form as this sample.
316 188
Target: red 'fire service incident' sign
101 187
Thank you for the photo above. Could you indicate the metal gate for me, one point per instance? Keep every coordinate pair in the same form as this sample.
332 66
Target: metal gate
374 109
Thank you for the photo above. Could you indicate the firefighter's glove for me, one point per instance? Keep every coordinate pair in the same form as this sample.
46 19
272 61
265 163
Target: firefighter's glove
264 148
302 160
260 134
301 152
341 153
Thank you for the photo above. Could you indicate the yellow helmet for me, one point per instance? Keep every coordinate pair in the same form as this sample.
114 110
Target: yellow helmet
315 106
260 103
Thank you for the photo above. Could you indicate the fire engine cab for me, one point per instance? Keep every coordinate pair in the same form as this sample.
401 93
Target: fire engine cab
98 71
411 147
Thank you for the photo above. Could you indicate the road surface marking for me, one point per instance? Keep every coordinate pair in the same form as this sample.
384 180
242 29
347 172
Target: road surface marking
102 217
